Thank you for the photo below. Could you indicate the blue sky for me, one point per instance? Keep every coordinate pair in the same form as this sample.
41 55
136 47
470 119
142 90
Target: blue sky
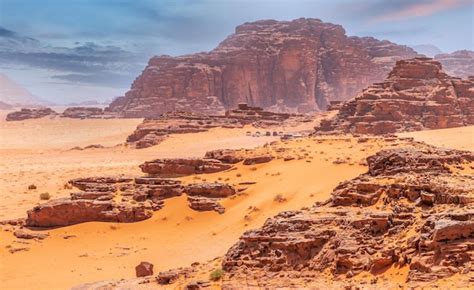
73 50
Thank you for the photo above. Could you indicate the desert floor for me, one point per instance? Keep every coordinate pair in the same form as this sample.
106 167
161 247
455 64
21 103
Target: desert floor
39 152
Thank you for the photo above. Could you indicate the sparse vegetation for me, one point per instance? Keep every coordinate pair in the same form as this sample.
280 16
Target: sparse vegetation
216 274
45 196
279 198
31 187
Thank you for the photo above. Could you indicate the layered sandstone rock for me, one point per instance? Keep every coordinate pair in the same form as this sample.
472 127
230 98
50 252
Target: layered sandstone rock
125 199
25 114
183 166
402 212
416 95
297 65
154 131
459 63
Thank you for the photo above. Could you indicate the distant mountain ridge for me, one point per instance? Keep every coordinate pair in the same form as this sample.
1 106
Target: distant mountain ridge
14 94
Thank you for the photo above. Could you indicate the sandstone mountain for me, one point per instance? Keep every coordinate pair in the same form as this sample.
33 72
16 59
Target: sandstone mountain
459 63
297 65
417 95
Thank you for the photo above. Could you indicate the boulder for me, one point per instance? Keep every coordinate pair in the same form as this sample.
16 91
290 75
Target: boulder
144 269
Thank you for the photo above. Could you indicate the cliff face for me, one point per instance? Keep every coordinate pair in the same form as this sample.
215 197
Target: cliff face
416 95
294 65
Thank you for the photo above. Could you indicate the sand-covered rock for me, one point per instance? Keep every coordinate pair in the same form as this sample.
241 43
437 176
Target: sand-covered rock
417 95
297 65
400 213
183 166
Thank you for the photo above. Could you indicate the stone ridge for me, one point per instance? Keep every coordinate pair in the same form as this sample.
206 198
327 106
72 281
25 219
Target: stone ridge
417 95
297 65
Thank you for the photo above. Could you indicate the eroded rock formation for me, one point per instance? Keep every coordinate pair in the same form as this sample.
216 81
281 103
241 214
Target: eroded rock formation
294 65
414 208
416 95
154 131
25 114
183 166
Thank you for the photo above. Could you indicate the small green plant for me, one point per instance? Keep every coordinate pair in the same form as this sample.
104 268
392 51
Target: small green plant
45 196
216 274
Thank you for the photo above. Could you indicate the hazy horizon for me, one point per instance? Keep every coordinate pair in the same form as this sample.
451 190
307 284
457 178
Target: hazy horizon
73 51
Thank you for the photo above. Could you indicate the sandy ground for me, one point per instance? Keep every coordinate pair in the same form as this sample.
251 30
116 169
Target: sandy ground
38 152
461 138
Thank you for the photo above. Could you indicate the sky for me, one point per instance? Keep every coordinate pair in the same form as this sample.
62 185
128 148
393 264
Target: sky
78 50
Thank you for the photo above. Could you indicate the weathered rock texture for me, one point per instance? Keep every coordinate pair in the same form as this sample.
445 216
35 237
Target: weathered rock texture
125 199
25 114
183 166
153 131
416 95
459 63
402 212
294 65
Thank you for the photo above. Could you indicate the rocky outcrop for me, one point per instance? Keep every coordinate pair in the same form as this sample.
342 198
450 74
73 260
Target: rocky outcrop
208 189
459 63
402 212
64 212
25 114
82 112
144 269
154 131
200 203
183 166
88 113
297 65
416 95
126 199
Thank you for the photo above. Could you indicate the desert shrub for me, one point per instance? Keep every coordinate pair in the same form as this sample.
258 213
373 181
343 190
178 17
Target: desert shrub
31 187
45 196
279 198
216 274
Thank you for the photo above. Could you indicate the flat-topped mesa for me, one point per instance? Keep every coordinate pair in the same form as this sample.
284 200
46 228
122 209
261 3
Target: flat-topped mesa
416 95
25 114
297 66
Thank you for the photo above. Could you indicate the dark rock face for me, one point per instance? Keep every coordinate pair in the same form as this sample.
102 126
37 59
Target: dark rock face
25 114
297 65
416 95
401 213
